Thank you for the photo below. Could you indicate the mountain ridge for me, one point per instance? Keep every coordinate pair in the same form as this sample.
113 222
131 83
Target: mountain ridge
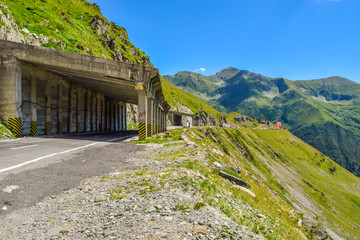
322 106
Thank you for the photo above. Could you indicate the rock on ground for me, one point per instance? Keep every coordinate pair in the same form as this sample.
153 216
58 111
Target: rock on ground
138 201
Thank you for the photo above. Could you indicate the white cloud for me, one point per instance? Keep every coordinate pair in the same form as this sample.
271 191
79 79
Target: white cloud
200 70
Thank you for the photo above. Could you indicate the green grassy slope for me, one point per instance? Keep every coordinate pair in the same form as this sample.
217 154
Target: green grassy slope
323 112
175 96
285 173
200 85
76 26
190 81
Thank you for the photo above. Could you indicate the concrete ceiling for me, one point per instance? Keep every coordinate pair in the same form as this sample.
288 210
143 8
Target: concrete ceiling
116 88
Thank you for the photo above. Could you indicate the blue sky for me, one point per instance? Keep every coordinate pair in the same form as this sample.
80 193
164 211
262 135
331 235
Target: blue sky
295 39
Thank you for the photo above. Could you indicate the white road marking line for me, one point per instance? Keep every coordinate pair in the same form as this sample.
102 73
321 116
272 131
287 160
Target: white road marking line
58 153
25 146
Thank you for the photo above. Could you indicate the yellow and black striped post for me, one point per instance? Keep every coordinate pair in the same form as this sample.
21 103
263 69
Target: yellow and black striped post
142 131
33 128
77 127
15 126
59 127
47 128
148 132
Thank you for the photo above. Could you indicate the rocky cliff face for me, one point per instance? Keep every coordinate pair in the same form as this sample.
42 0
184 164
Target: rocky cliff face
76 26
10 31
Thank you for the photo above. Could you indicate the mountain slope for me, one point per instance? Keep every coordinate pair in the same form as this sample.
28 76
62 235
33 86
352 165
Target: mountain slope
323 112
75 26
302 177
288 183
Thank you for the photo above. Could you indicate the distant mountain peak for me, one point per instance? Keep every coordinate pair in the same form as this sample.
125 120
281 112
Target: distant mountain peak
227 73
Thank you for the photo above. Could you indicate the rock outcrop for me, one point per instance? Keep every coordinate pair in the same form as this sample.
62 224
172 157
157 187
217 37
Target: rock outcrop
10 31
94 36
314 227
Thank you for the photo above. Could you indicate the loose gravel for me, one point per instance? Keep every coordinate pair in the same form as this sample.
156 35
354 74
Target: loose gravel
134 202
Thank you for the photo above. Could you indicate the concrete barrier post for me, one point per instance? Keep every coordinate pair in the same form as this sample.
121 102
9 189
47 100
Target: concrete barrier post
148 116
10 93
152 118
142 114
142 105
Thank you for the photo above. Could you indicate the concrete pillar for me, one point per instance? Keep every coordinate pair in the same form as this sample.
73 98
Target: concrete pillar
115 116
122 116
112 124
98 113
10 93
107 115
70 108
33 106
103 113
93 113
155 122
110 116
119 116
152 117
148 116
48 107
59 108
158 119
165 122
87 110
162 121
78 108
142 104
125 117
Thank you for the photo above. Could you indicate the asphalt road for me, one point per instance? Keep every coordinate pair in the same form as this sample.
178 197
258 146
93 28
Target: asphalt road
34 168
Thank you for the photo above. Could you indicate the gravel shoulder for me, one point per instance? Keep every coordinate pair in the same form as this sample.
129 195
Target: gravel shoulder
146 196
